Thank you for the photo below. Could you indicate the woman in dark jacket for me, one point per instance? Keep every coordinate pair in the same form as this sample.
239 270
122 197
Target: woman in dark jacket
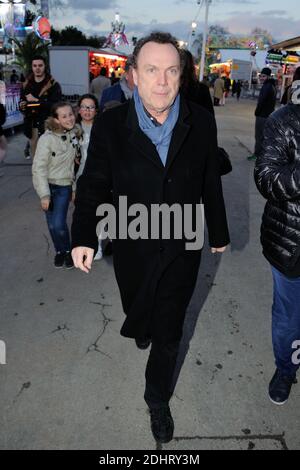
198 93
277 176
191 88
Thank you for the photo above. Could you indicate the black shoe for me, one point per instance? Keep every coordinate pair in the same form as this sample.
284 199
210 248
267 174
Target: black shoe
142 343
59 260
162 424
68 260
280 387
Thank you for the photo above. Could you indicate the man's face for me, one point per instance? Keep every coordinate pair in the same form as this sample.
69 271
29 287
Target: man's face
38 68
263 77
157 75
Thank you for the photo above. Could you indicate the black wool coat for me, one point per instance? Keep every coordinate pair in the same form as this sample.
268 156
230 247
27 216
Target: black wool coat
267 99
156 278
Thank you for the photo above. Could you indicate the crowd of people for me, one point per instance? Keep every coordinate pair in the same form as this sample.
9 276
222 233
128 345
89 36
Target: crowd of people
157 114
58 135
222 87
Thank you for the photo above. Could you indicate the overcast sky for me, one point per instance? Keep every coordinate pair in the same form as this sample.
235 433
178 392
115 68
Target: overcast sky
281 18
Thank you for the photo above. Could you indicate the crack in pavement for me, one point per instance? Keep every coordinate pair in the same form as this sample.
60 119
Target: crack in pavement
94 346
24 192
25 386
178 397
249 437
61 328
215 371
243 145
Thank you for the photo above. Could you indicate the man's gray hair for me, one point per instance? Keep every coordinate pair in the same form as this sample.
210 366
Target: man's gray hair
160 38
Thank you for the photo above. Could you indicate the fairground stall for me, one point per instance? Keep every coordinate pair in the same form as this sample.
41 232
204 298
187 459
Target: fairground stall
75 66
284 57
235 69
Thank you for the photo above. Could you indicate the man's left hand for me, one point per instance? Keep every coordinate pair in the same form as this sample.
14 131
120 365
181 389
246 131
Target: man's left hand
218 250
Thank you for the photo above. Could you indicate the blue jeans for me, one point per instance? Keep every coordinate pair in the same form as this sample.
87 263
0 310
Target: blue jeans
57 217
285 321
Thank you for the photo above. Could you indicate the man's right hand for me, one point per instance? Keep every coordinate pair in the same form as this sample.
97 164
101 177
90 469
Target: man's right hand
23 105
83 258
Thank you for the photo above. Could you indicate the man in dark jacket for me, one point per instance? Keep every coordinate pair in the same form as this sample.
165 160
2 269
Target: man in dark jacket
120 91
39 93
277 175
156 149
99 84
265 106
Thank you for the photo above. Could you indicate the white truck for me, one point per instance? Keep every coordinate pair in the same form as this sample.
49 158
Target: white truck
74 66
240 69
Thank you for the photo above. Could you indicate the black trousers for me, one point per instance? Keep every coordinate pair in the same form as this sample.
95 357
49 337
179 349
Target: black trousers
159 373
260 123
173 295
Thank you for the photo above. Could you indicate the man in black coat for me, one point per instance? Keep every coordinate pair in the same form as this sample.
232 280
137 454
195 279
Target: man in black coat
265 106
277 175
120 91
156 149
39 93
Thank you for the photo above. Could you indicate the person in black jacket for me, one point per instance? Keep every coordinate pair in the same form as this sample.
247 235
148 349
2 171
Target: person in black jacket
198 93
238 89
39 93
148 150
191 88
277 176
265 106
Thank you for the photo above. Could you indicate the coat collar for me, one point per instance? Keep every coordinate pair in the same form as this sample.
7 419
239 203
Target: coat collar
144 144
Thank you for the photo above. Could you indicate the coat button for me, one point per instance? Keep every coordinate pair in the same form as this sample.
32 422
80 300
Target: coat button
161 249
169 180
